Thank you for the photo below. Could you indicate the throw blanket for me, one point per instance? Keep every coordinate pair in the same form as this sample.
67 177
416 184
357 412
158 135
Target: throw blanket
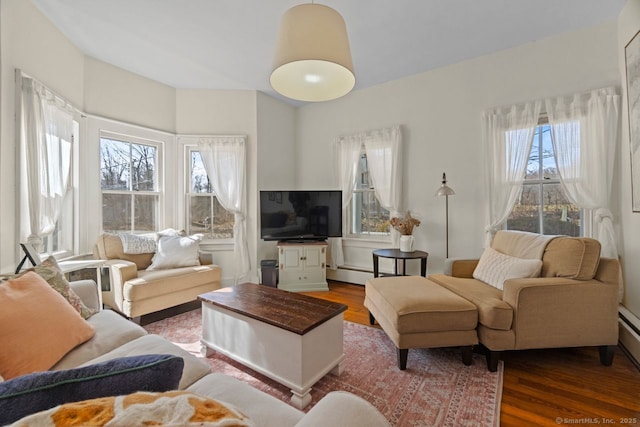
138 244
521 244
173 408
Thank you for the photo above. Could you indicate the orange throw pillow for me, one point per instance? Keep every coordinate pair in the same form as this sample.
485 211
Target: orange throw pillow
37 326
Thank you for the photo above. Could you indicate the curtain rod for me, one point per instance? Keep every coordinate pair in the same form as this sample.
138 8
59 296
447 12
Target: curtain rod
22 74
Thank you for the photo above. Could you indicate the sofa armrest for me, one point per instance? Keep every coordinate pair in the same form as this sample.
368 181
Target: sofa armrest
561 312
120 271
340 408
87 290
462 268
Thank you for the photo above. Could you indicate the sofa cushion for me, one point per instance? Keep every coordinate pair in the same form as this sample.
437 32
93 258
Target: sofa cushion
494 268
521 244
571 257
109 246
36 392
111 331
176 252
257 405
152 283
194 368
415 304
37 326
171 408
492 310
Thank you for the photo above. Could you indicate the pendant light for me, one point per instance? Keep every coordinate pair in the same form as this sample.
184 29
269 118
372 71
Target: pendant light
312 60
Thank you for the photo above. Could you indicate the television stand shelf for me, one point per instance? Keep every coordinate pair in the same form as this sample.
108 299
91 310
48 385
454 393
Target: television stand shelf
302 266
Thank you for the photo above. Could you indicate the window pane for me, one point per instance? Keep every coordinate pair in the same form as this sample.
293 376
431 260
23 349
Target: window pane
560 216
116 212
533 165
369 216
525 215
223 221
145 212
114 164
143 162
200 215
362 175
549 168
199 179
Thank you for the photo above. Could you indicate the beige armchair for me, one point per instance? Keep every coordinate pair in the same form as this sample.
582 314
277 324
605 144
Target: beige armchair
134 291
573 303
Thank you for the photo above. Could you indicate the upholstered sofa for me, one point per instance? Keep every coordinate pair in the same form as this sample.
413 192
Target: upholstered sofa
115 337
135 289
569 301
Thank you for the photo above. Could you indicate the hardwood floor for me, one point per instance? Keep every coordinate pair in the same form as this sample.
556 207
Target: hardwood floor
545 387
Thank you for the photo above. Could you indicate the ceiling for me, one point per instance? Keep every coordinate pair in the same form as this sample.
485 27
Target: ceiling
229 44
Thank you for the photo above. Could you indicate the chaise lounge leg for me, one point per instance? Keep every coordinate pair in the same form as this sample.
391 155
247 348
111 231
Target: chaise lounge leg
606 354
402 358
372 320
467 354
492 360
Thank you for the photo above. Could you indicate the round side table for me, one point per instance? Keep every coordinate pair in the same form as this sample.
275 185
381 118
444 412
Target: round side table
397 255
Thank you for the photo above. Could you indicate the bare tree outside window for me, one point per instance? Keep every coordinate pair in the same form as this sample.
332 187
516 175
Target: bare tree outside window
543 206
205 214
128 178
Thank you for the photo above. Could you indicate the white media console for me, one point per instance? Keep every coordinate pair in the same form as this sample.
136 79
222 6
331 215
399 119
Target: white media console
302 266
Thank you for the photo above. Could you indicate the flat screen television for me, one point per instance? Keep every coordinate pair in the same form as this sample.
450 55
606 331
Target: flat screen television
300 215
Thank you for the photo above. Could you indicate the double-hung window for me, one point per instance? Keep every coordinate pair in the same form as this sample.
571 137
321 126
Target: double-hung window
61 241
543 206
367 218
130 183
205 214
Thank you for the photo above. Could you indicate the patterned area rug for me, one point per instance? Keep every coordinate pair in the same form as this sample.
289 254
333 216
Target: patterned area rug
436 389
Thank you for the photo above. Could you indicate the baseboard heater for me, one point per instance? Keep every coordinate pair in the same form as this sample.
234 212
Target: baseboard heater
630 334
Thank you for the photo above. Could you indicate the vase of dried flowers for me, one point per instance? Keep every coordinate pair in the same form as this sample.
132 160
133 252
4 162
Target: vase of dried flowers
405 225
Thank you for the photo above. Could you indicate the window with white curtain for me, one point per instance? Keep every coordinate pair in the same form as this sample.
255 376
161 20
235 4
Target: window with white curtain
48 141
542 205
130 181
204 212
60 242
367 218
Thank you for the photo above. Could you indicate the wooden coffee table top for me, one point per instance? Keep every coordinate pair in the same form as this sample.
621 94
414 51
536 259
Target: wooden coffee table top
287 310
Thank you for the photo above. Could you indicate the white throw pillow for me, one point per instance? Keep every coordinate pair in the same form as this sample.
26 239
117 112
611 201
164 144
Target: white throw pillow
495 267
176 251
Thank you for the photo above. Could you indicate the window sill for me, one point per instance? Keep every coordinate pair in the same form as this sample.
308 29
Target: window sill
214 246
369 243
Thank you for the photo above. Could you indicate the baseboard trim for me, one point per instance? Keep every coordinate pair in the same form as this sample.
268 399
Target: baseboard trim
629 335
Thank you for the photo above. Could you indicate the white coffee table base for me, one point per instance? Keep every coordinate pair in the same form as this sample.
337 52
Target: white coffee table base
296 361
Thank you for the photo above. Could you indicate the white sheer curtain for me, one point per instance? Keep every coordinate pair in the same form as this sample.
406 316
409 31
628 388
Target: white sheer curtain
383 157
46 137
584 129
507 137
347 152
382 147
224 159
584 133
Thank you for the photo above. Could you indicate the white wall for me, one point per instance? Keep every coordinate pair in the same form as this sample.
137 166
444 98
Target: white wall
276 156
114 93
628 26
31 43
202 112
440 114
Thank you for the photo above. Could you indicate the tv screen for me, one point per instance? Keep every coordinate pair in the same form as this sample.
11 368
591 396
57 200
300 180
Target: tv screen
300 215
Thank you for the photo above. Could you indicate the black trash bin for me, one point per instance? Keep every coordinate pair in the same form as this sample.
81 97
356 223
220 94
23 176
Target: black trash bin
269 272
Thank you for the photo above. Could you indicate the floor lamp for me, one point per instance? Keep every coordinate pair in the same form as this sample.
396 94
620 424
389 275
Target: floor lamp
446 191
